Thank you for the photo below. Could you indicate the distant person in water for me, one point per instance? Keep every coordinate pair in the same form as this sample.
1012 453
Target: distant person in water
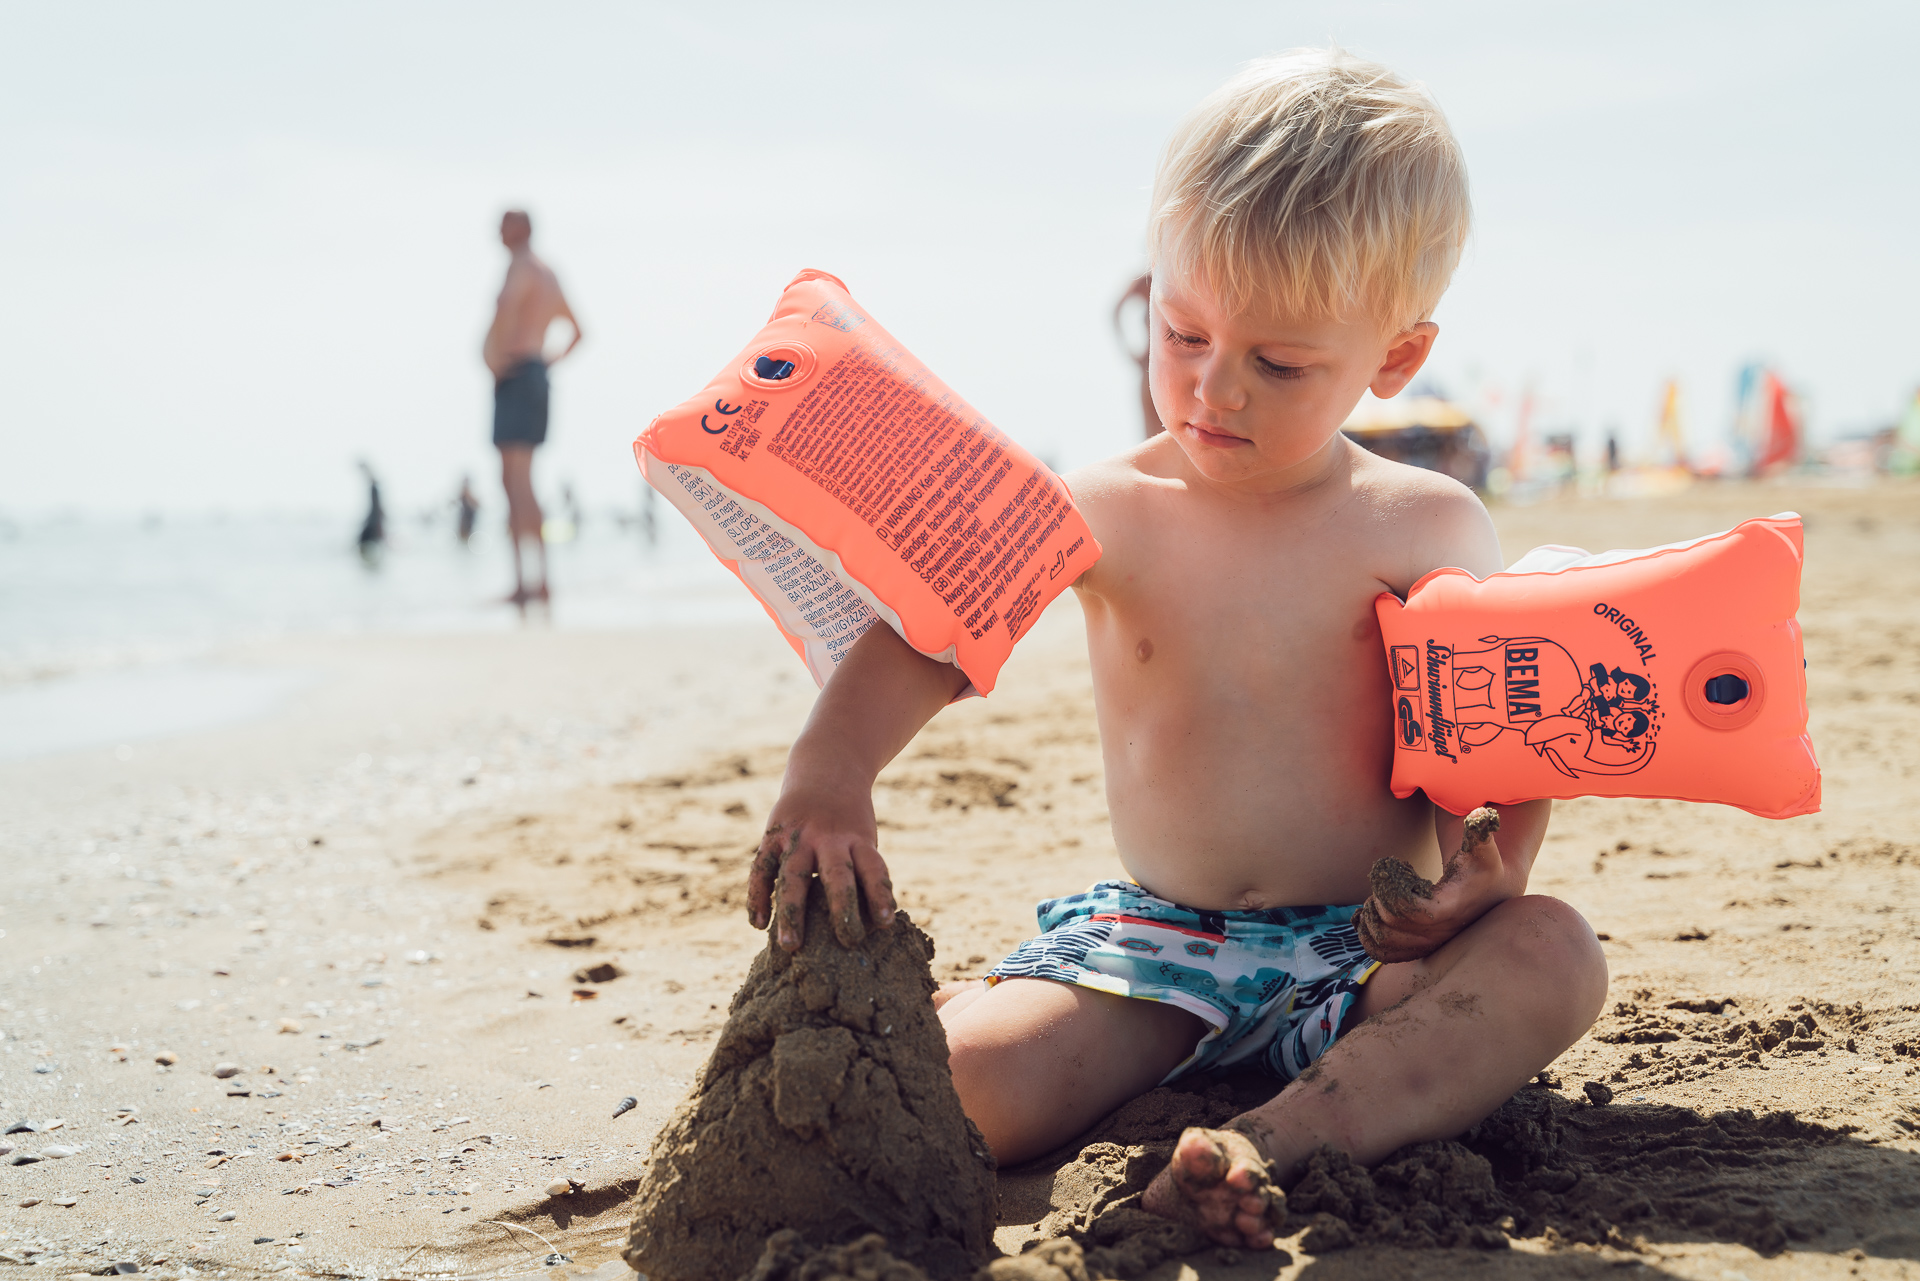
373 530
529 302
466 507
1142 289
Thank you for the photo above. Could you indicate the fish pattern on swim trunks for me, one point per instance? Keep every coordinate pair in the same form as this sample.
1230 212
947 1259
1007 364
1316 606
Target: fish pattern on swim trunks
1273 983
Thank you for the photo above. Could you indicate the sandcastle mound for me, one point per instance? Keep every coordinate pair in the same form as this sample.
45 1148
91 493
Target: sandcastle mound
827 1108
788 1258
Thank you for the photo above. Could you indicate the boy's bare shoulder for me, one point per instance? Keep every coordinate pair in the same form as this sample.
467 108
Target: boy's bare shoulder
1128 472
1114 496
1430 521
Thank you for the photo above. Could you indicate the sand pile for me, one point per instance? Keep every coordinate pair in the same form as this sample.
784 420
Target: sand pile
826 1108
787 1257
1096 1192
1541 1166
1544 1165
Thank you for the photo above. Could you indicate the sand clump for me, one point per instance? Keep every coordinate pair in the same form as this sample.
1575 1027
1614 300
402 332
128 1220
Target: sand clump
787 1257
1398 889
1542 1166
826 1109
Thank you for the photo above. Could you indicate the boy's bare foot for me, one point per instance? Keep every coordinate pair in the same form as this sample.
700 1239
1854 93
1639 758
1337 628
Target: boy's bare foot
1218 1183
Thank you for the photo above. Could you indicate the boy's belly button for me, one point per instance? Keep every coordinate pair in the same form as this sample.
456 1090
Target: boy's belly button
1144 649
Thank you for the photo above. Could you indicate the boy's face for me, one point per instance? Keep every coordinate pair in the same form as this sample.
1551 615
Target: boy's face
1255 399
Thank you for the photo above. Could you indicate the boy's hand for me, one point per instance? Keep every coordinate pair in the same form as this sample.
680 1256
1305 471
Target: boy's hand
824 831
877 699
1408 917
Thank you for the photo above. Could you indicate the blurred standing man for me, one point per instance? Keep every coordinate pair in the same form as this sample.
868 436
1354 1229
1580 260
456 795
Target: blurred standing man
515 351
1142 289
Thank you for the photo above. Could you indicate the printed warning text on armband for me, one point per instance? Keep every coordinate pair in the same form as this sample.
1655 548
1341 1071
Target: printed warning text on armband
741 443
831 610
925 476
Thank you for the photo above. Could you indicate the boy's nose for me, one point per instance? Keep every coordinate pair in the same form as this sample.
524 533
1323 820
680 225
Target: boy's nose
1219 388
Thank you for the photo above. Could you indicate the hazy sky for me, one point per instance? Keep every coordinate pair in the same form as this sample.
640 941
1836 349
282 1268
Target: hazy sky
242 245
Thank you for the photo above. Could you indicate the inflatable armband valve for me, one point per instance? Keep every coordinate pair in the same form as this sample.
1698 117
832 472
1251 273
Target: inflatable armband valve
844 484
1674 672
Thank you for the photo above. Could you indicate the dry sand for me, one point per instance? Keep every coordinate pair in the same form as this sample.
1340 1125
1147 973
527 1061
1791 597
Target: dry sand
179 902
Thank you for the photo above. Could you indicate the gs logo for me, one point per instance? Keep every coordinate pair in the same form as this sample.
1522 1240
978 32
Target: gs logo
1411 731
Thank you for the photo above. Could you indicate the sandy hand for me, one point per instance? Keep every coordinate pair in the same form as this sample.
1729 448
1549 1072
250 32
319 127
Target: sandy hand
809 840
1408 917
1218 1182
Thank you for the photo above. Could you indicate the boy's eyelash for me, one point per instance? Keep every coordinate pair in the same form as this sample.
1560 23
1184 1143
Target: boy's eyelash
1172 335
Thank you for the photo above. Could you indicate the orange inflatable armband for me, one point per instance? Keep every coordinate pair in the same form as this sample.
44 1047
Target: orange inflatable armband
1675 672
844 484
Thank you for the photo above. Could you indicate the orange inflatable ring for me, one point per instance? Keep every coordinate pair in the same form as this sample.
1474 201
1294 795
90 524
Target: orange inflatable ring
845 485
1676 672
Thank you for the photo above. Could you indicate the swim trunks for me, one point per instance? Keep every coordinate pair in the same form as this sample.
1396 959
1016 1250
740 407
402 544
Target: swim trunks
1272 984
520 404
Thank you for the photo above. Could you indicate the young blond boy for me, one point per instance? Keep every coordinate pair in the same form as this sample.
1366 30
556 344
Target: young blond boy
1306 220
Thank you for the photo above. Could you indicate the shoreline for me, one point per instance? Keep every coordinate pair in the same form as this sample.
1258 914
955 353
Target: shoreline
178 901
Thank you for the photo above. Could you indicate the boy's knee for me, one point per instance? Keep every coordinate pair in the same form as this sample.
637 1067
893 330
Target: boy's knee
1553 946
959 994
980 1076
974 1060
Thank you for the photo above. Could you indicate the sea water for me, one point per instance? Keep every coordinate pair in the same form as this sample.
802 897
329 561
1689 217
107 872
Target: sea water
113 630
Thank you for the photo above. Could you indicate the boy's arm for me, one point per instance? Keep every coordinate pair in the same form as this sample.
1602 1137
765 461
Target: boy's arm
1449 527
874 703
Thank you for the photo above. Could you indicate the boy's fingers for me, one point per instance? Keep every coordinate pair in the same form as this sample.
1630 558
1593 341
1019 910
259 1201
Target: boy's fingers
843 899
1384 941
1477 848
1363 928
1374 932
875 883
796 874
760 878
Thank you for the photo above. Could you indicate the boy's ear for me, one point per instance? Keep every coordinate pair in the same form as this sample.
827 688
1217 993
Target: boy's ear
1404 358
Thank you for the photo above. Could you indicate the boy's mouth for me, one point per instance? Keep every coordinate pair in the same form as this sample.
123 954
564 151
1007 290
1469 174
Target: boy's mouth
1207 435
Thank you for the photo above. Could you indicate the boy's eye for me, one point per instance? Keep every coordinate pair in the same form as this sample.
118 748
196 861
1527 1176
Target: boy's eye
1184 340
1279 371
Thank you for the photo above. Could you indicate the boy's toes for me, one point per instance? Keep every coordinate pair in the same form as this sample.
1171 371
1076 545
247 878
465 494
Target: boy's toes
1217 1182
1256 1223
1200 1159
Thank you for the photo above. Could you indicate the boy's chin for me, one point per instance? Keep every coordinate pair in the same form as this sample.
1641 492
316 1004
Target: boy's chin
1228 463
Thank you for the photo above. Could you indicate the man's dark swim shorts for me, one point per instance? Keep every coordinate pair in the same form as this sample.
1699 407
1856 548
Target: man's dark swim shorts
520 405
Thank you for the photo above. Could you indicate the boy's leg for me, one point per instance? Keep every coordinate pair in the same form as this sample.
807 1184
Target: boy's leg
1037 1062
1445 1041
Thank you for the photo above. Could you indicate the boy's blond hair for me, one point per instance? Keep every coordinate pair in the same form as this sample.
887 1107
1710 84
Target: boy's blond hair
1317 182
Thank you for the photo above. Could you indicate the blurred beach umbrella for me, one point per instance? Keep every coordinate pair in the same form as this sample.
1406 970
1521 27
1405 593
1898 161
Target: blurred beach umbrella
1768 425
1905 458
1673 426
1423 429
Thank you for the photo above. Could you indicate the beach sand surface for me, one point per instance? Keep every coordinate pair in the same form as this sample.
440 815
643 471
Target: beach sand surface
461 895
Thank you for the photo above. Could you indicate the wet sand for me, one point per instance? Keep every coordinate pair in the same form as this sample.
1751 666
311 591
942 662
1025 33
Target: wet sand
480 970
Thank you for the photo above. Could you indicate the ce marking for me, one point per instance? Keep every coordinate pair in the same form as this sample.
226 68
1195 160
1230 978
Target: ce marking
725 410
